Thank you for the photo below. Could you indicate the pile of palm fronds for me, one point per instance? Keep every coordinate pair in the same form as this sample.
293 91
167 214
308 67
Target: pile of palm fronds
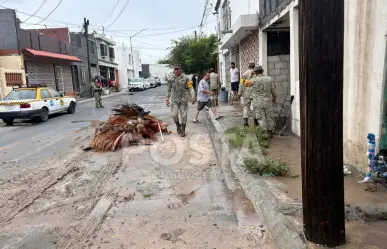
128 125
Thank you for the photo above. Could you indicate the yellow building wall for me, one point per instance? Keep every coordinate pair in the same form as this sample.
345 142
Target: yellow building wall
10 64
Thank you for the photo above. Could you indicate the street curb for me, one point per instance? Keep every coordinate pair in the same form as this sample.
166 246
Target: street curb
283 232
103 97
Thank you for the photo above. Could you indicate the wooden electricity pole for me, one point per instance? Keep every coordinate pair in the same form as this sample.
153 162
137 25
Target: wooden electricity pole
321 99
86 24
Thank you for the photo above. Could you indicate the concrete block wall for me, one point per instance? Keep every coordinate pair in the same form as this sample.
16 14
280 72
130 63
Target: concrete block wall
249 50
279 69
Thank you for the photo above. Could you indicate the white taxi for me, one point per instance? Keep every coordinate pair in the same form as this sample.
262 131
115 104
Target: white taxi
35 103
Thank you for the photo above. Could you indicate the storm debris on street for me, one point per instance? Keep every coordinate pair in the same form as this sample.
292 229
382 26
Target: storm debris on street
128 125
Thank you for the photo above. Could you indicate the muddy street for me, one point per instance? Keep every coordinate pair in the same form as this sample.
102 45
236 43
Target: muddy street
171 194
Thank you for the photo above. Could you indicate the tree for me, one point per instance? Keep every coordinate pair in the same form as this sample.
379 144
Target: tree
193 55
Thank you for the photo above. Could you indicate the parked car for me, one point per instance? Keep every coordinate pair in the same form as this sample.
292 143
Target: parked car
152 82
147 84
137 85
158 82
35 102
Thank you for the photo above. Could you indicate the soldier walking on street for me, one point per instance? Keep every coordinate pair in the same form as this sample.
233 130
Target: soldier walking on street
245 92
97 89
180 92
214 86
263 97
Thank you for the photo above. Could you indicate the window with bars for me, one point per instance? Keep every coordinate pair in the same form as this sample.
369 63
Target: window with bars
91 47
13 79
111 53
103 49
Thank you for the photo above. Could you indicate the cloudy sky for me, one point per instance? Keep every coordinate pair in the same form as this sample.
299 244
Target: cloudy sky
164 20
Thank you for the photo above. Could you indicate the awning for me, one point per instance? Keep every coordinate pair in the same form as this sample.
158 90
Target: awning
52 55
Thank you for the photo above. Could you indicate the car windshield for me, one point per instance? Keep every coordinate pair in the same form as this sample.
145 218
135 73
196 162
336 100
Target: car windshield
21 94
136 81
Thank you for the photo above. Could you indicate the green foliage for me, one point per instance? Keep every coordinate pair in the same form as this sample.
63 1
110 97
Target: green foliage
193 55
237 136
266 168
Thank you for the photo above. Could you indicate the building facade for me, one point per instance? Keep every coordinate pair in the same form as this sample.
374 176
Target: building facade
39 58
237 26
128 64
365 67
107 63
80 70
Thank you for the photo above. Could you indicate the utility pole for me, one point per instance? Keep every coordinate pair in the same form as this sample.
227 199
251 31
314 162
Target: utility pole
321 99
86 28
196 35
131 48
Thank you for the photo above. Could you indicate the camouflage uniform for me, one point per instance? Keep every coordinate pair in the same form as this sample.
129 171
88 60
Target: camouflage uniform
215 86
245 92
262 93
180 92
97 95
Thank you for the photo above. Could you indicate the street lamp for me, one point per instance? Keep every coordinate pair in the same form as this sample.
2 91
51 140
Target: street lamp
131 48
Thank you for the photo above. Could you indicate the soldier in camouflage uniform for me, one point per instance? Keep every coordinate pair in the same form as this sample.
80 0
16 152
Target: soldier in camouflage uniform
97 89
263 96
179 93
214 86
244 91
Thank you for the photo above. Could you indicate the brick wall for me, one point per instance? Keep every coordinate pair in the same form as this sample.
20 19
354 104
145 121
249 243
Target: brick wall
248 50
279 68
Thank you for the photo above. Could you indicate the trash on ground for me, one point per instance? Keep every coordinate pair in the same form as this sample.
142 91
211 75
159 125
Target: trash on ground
128 125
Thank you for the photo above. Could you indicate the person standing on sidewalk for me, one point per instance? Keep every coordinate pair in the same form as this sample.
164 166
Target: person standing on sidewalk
263 97
214 86
97 89
234 73
244 91
204 98
179 93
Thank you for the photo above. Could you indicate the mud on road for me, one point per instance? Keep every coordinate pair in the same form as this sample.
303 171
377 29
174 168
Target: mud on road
169 195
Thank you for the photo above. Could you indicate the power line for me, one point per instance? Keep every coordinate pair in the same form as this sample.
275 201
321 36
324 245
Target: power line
111 13
51 20
51 12
36 11
127 2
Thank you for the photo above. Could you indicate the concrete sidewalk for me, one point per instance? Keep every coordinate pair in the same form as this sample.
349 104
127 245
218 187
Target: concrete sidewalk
265 203
276 197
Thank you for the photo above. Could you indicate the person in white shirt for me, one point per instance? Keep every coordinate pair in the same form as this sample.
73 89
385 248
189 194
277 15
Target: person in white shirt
234 73
204 98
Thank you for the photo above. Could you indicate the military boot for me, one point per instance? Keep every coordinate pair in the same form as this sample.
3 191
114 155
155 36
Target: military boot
178 126
182 130
256 124
246 124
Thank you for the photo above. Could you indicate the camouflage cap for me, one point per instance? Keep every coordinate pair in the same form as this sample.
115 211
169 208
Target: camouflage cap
258 68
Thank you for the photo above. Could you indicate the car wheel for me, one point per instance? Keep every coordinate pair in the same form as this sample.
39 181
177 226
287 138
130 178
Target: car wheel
43 116
8 121
71 109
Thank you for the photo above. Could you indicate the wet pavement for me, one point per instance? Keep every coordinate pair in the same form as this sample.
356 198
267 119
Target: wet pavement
168 195
360 234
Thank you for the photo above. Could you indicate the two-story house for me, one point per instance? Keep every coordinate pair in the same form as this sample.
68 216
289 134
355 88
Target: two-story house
80 70
107 64
45 58
128 64
365 67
